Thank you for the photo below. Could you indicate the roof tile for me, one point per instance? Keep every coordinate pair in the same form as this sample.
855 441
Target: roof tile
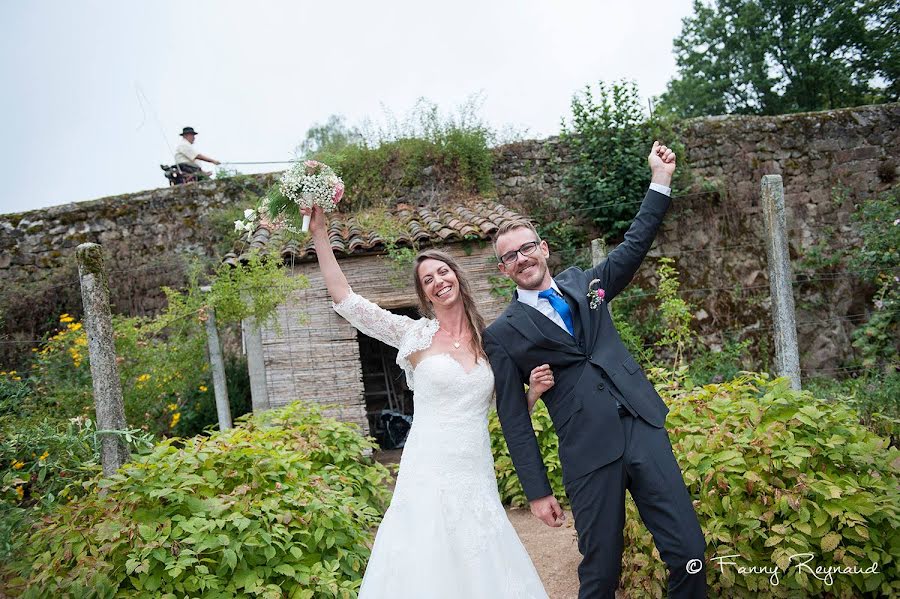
422 225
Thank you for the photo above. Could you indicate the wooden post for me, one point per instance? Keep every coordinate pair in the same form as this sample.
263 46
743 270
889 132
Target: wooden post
102 353
217 366
787 354
259 395
598 255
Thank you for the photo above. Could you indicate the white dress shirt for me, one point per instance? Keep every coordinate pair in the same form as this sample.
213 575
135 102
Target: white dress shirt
542 304
186 153
666 191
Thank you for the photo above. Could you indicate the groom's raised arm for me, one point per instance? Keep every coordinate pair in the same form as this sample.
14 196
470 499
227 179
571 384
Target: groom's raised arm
616 272
512 408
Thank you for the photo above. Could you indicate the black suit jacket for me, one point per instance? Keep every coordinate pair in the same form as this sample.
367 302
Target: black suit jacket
580 403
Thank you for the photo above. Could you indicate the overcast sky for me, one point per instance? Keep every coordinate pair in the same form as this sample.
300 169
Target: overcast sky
95 93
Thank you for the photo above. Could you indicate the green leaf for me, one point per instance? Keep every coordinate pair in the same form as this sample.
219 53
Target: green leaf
286 570
230 558
830 541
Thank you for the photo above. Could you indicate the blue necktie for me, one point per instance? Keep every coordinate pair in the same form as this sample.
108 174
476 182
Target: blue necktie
561 307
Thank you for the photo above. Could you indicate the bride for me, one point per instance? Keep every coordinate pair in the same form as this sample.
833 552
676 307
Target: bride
445 534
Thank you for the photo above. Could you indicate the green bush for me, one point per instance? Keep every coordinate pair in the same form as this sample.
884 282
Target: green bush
158 374
45 464
610 137
511 492
166 383
874 395
14 391
709 365
455 151
282 505
199 405
39 467
773 473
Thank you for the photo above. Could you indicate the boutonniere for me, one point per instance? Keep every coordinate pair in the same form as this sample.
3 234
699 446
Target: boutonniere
595 295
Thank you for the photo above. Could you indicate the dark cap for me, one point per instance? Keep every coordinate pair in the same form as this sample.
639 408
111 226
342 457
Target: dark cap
187 130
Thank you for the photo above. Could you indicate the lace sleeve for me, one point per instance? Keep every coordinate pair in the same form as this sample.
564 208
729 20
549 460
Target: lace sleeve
373 320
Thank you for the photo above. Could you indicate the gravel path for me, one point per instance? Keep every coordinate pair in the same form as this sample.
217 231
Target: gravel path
554 552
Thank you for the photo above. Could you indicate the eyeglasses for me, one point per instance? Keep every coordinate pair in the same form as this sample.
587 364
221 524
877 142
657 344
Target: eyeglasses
525 249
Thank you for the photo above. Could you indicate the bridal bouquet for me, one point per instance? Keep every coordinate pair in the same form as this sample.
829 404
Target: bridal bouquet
306 184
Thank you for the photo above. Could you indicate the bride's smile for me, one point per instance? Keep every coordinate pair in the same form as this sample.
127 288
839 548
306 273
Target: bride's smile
439 282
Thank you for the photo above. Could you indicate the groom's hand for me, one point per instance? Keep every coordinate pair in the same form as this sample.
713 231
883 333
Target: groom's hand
662 164
547 510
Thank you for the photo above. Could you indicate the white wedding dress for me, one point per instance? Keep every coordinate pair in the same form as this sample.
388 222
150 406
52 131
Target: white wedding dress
445 534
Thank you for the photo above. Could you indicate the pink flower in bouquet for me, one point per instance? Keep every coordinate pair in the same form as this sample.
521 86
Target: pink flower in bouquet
601 293
338 192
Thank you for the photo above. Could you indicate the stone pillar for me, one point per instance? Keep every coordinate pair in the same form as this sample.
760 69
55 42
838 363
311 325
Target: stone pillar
102 353
217 366
787 354
259 394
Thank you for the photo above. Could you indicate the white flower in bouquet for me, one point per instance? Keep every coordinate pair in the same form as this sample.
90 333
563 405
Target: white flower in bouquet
311 183
304 185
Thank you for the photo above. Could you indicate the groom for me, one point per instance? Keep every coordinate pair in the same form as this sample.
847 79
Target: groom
609 418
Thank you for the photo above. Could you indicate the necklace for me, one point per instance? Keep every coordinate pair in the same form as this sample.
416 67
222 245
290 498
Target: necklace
456 341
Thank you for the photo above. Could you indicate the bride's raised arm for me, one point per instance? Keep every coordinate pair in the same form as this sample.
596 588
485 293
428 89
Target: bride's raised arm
335 281
366 316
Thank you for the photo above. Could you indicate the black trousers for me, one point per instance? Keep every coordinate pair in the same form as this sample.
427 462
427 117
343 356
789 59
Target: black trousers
650 473
191 172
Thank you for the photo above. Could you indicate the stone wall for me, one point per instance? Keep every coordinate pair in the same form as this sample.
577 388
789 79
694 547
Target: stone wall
827 159
148 239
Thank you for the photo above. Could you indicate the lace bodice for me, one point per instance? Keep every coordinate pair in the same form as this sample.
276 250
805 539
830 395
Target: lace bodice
402 332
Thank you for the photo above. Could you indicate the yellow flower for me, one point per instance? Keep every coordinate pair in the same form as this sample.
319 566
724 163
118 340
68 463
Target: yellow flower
202 388
20 492
17 465
82 341
76 356
75 326
172 407
17 378
175 418
44 456
66 318
143 378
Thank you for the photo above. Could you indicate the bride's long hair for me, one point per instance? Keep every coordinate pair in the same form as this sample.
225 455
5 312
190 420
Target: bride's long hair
473 316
